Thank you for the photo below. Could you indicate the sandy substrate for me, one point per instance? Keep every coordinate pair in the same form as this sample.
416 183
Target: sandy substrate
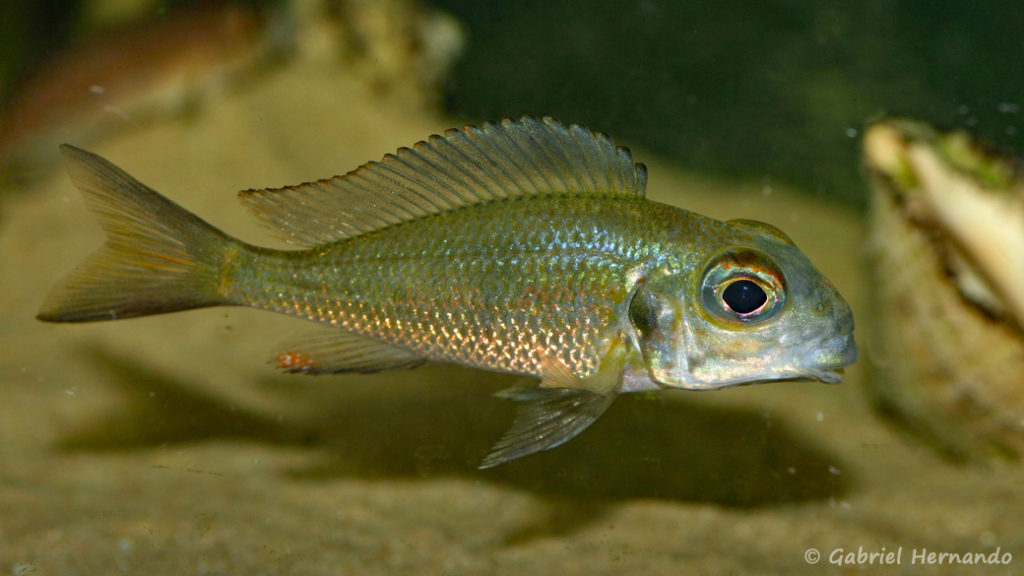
167 445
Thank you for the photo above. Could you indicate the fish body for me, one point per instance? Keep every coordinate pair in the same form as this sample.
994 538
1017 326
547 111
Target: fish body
524 247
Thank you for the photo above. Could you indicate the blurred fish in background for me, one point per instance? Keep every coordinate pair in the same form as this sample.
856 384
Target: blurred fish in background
156 62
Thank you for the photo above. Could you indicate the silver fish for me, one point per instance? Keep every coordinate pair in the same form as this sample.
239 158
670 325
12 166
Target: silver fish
524 247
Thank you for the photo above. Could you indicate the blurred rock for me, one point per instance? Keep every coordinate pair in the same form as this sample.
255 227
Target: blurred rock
947 225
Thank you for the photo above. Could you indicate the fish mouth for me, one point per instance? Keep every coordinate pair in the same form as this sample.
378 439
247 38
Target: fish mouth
833 376
827 359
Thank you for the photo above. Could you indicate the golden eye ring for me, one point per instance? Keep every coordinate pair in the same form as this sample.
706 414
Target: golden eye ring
743 286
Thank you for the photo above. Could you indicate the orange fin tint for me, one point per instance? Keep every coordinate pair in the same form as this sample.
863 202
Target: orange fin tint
333 350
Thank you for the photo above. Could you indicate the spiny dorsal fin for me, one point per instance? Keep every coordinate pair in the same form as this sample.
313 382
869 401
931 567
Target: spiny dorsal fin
461 168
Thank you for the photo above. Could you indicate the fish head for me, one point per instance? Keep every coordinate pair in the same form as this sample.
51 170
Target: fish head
755 310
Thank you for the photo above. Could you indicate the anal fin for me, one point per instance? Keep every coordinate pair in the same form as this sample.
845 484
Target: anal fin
331 350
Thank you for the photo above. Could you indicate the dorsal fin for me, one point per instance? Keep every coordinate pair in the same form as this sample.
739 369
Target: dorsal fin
461 168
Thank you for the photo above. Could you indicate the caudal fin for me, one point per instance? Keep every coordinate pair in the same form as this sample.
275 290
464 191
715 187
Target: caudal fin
158 257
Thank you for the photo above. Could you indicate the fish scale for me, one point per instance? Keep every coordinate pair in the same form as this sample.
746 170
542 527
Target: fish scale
529 280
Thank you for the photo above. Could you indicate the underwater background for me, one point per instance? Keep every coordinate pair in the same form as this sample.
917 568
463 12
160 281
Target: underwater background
168 445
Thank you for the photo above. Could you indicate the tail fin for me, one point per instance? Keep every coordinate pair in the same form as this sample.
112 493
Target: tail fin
158 257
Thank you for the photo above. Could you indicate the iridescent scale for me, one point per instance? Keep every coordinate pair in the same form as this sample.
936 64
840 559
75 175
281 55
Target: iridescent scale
502 285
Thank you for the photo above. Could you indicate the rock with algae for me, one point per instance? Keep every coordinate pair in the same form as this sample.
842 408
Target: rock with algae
947 226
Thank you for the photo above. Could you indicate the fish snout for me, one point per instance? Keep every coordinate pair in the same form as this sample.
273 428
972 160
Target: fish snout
826 359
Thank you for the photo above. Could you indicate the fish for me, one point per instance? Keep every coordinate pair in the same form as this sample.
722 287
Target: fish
522 246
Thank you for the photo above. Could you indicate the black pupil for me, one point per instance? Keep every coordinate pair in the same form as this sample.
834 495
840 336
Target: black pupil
744 296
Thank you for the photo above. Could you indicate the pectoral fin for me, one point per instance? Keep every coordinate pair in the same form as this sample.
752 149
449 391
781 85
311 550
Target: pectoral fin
546 418
561 407
555 373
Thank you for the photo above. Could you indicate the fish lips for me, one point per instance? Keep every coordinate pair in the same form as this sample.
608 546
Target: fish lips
826 359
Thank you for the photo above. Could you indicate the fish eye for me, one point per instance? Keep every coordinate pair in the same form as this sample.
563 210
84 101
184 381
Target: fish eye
743 286
744 296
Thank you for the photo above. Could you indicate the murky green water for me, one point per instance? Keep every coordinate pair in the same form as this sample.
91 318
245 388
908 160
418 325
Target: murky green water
168 445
